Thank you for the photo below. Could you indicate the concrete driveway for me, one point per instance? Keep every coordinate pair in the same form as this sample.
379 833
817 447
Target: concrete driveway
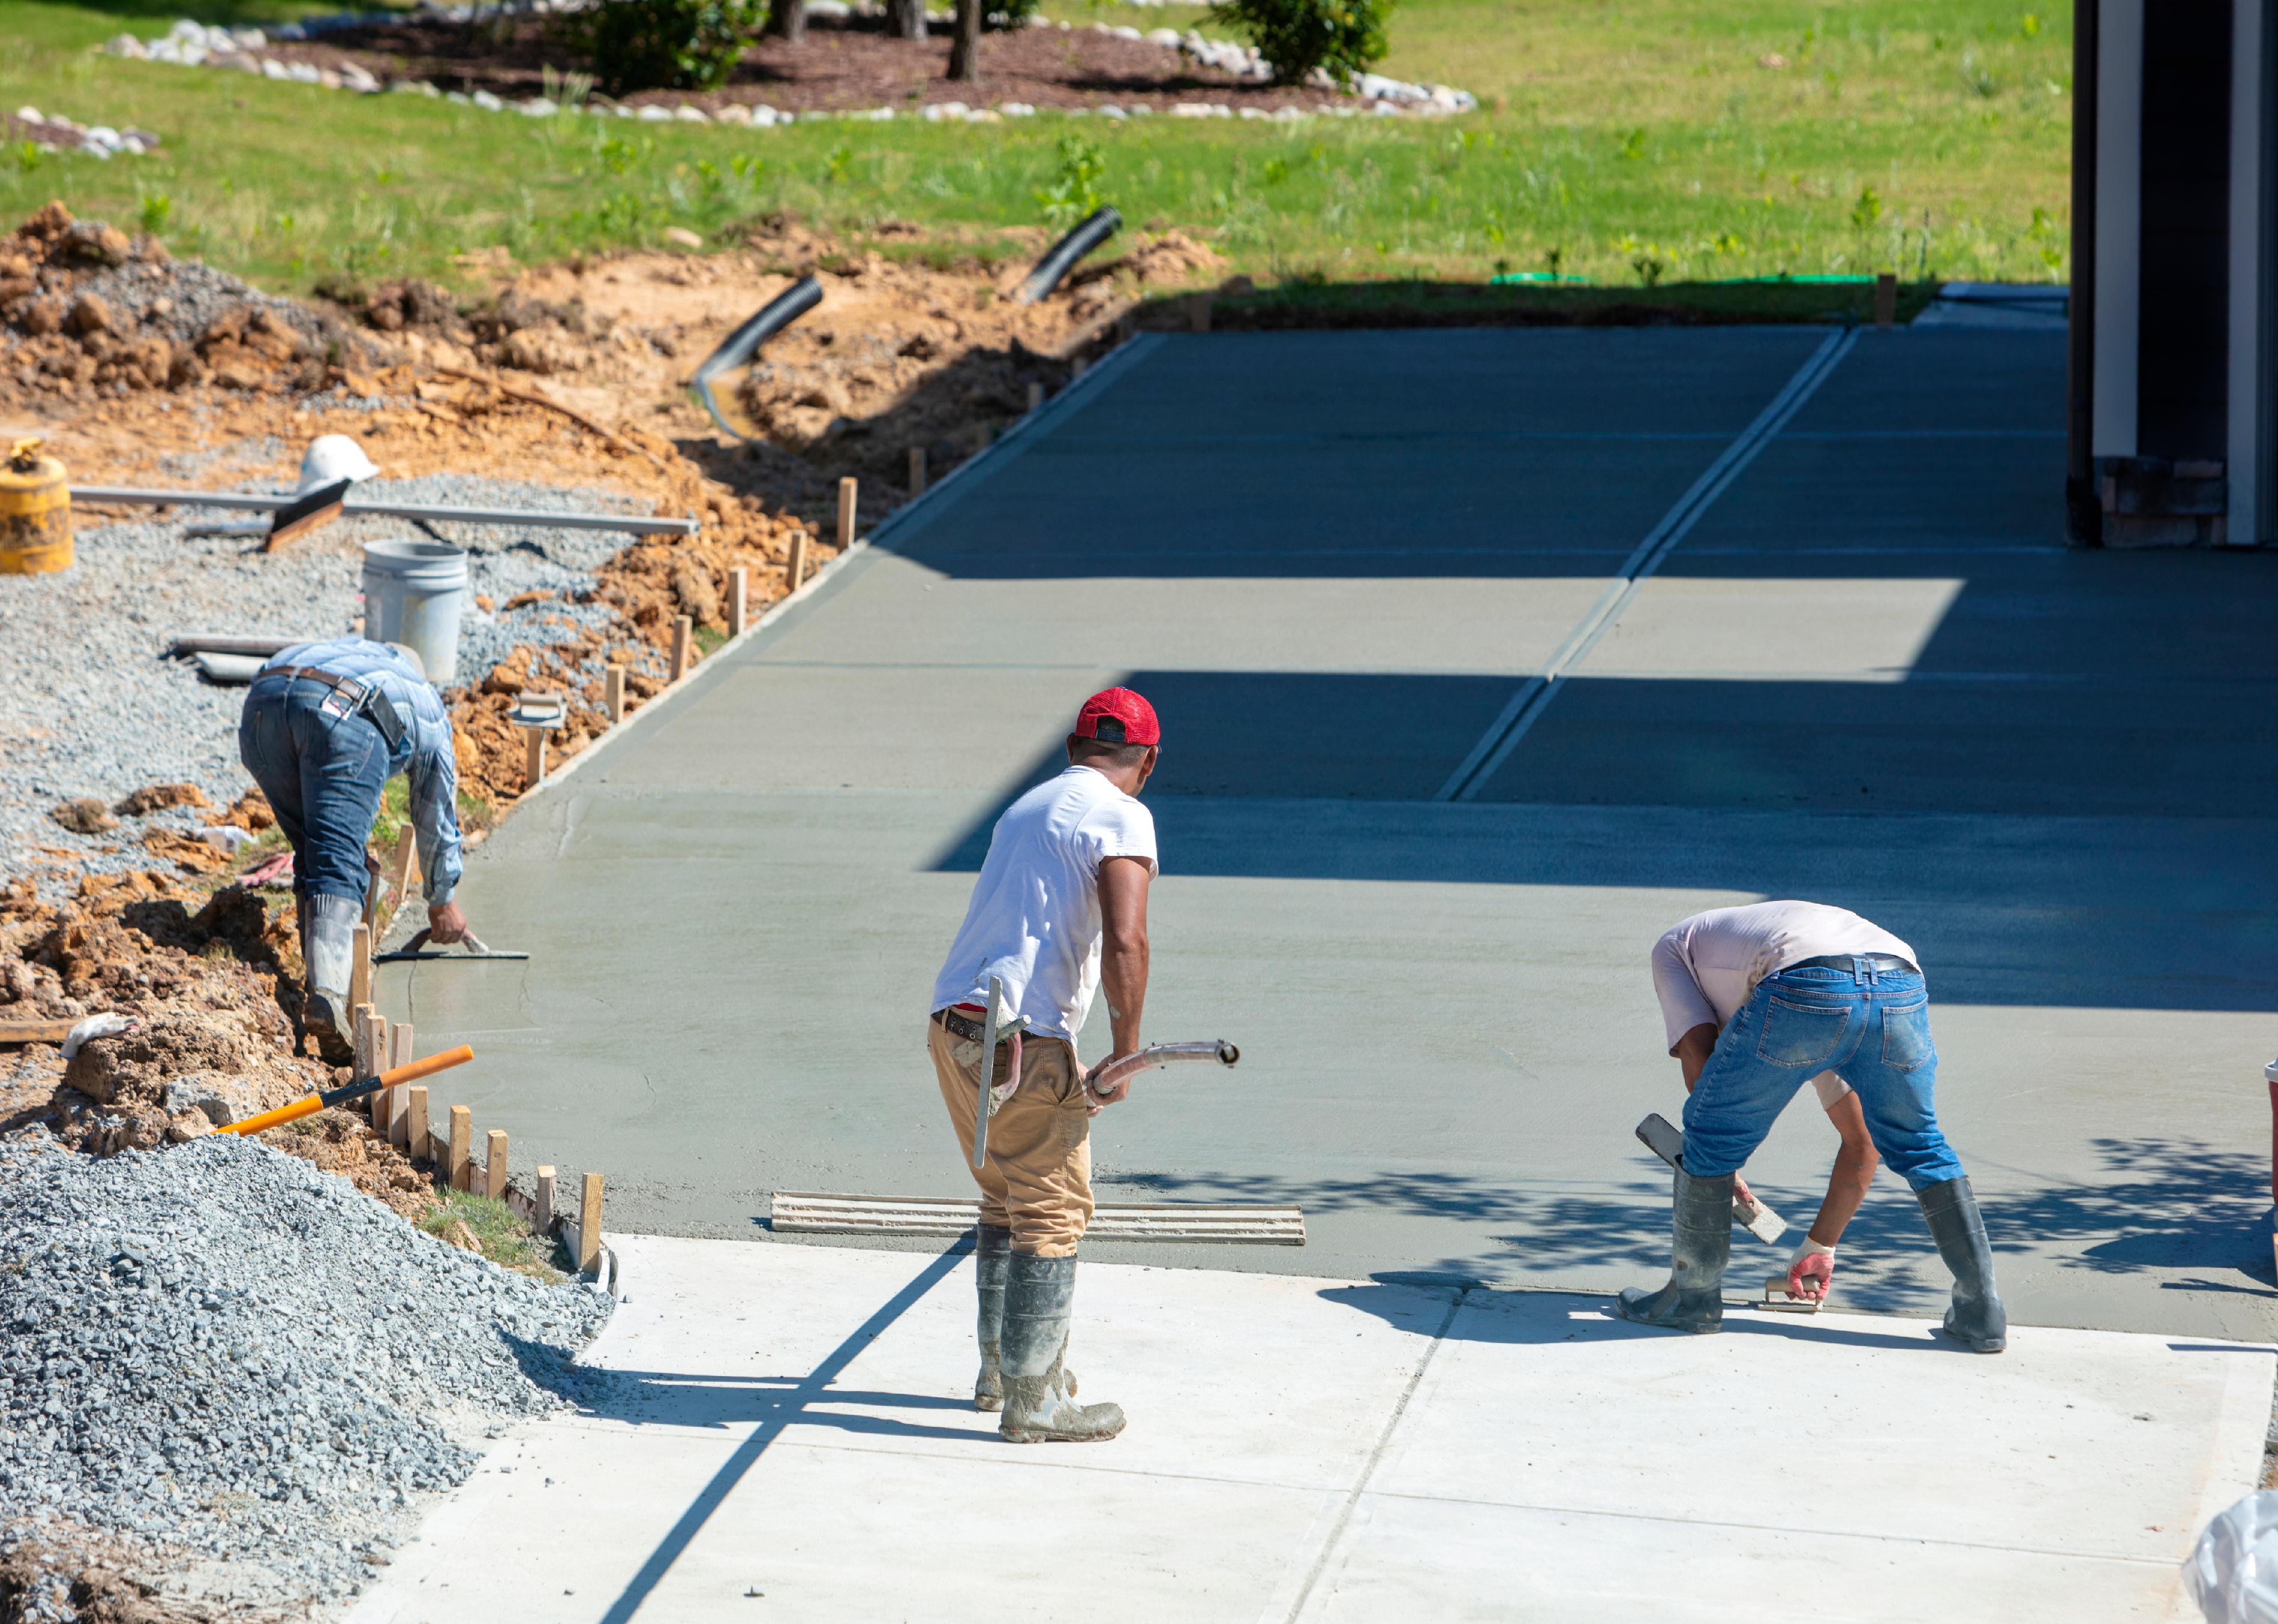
1482 657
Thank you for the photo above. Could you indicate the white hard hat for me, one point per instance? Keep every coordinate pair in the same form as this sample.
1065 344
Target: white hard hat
331 458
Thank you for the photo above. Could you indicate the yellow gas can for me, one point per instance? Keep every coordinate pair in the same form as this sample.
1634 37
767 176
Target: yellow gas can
35 534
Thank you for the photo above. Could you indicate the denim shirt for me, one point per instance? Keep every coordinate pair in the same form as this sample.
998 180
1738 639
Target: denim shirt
426 752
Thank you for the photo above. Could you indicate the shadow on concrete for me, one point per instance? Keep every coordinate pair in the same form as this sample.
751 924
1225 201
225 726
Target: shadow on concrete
2154 1205
773 1411
1537 1318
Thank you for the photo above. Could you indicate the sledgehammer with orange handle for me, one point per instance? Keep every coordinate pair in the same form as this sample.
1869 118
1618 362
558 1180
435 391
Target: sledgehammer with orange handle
310 1104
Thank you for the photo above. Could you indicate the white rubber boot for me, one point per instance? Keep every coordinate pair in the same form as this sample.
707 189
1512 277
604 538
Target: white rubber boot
329 952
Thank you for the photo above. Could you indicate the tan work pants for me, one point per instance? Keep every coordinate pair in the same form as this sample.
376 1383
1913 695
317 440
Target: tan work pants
1036 1181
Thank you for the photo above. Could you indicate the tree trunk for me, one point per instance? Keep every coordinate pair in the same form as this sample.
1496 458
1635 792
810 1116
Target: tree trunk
787 20
905 18
965 48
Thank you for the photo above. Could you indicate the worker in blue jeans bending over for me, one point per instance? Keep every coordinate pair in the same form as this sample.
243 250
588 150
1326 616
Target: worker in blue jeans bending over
1757 1001
325 726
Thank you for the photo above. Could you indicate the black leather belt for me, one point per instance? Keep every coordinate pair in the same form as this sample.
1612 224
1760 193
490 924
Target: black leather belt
1850 960
957 1026
371 703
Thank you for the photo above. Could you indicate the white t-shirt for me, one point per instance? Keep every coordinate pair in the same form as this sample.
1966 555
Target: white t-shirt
1034 920
1705 968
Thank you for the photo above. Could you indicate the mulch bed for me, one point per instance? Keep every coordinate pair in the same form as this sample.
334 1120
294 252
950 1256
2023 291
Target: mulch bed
839 66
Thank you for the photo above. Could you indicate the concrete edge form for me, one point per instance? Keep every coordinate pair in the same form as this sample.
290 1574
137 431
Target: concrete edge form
808 1212
815 587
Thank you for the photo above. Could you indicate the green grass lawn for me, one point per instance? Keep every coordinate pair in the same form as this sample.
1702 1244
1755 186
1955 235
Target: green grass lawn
1622 141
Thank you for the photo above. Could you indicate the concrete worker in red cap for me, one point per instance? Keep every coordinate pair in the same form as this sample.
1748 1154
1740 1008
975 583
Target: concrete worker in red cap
1059 910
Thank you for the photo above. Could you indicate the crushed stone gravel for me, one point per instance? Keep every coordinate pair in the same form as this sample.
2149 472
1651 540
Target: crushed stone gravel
224 1355
90 707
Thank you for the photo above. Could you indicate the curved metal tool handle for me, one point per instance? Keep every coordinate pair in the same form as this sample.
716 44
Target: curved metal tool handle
985 1107
1108 1073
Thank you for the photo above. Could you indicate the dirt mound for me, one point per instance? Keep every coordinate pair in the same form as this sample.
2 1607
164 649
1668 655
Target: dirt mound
208 981
88 311
158 798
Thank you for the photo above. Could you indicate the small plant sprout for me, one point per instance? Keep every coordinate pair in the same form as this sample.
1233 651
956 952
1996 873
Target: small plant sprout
1867 210
156 210
1075 191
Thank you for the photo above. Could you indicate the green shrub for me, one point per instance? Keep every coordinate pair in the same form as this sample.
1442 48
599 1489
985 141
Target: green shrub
1296 36
666 44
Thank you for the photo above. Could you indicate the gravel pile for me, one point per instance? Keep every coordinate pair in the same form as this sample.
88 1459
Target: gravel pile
221 1352
90 707
179 300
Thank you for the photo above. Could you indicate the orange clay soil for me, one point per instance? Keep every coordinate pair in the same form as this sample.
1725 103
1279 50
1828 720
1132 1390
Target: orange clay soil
576 374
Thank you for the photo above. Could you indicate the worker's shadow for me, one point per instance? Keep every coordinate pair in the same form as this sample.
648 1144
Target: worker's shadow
1476 1313
686 1398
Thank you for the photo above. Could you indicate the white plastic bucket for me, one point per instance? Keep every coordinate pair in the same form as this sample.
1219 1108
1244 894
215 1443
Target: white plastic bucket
412 594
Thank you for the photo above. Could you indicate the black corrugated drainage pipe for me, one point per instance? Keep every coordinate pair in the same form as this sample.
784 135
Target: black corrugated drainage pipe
740 346
1096 228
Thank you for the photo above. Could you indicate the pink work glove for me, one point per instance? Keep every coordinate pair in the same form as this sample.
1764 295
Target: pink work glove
1813 1272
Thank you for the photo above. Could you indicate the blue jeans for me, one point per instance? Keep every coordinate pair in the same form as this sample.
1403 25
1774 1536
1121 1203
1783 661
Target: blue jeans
323 776
1870 1027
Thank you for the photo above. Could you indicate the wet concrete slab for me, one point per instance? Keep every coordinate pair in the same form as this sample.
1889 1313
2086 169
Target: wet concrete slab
1448 1032
789 1431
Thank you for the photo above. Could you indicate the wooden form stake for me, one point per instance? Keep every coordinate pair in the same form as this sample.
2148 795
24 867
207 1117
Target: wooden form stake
414 1121
462 1134
1076 366
1886 298
1198 313
494 1165
400 1052
795 568
613 685
1035 396
846 493
360 969
376 1041
589 1225
917 471
738 591
402 868
545 1200
360 1037
683 632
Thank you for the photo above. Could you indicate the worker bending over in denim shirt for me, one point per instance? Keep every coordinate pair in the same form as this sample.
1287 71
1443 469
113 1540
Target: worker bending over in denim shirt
325 726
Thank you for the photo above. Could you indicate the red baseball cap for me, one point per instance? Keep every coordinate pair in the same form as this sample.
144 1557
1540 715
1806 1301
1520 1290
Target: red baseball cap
1118 716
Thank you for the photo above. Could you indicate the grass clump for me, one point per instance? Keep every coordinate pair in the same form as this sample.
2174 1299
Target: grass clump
499 1234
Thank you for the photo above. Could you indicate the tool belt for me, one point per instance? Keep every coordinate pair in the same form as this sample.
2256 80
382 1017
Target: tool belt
356 697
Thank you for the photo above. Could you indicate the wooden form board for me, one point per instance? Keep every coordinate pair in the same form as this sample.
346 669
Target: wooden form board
807 1212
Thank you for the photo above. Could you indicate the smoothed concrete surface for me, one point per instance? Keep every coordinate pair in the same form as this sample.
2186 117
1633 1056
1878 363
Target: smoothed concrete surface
2051 771
795 1422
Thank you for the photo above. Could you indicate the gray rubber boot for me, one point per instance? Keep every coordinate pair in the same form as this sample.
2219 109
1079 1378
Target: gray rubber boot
329 951
1693 1299
993 1260
1040 1405
1975 1315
